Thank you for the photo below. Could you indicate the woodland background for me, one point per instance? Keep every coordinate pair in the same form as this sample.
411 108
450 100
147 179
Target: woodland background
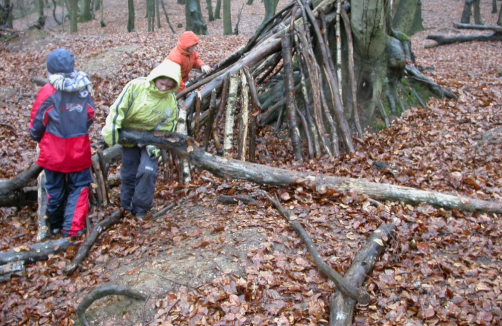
204 262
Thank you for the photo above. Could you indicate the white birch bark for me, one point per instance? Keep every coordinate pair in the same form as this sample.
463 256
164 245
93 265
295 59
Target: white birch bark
181 128
230 116
339 47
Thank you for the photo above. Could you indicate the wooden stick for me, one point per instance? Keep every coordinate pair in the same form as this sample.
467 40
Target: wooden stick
244 117
294 132
352 77
354 292
91 240
342 307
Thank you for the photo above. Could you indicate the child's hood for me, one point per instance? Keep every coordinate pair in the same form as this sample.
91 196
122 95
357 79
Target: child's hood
187 40
166 69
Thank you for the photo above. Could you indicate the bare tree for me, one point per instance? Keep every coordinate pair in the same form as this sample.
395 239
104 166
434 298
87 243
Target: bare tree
227 18
194 19
73 10
130 17
86 14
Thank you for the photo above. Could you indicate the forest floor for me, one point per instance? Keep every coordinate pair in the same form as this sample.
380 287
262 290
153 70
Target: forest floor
207 263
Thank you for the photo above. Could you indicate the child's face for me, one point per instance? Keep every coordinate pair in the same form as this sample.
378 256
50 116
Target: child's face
192 48
165 84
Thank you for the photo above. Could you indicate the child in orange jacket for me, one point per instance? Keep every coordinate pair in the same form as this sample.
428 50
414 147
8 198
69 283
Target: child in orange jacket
185 55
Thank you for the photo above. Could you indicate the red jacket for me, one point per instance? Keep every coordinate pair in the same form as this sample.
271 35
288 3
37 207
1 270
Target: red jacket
59 122
186 60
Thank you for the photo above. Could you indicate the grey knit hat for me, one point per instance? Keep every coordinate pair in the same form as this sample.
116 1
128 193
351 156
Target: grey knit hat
60 61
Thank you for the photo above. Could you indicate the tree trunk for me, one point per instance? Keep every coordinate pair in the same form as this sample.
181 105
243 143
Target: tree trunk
73 11
6 13
499 20
86 14
157 10
150 13
262 174
41 17
270 7
130 16
477 13
407 17
194 20
210 10
227 18
217 10
466 13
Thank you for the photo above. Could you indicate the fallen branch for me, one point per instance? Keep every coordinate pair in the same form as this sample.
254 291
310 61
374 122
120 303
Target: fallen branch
14 268
231 200
442 40
341 307
101 292
350 290
36 252
266 175
91 240
11 193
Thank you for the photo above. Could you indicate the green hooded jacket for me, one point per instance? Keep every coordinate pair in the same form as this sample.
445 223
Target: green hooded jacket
142 106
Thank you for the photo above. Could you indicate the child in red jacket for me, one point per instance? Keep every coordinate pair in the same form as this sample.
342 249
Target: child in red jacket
185 55
60 118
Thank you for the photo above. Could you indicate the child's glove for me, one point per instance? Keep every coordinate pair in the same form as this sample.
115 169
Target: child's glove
153 151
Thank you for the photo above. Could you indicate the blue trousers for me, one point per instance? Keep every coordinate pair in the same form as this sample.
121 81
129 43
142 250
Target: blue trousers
68 199
138 175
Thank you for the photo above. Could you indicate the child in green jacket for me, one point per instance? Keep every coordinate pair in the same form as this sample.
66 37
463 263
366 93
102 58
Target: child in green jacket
145 103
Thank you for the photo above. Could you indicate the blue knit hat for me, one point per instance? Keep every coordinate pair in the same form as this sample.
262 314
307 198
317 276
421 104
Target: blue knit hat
60 61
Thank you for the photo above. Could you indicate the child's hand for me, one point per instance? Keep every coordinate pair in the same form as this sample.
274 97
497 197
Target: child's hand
206 69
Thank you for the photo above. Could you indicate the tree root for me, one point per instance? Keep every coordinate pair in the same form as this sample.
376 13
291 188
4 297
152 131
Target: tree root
101 292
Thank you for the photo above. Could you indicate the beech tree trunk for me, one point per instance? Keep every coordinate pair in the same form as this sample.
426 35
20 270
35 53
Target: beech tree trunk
194 20
130 16
227 18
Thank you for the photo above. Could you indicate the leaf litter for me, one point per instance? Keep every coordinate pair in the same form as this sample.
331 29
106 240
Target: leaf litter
208 263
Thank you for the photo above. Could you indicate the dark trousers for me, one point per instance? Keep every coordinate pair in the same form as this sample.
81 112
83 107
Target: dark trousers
67 199
138 175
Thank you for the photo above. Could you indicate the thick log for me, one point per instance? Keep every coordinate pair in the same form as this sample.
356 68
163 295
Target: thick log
341 307
11 193
494 28
36 252
91 239
442 40
353 292
43 231
7 270
266 175
101 292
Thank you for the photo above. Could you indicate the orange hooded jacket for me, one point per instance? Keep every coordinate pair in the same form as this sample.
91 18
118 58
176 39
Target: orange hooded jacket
186 60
